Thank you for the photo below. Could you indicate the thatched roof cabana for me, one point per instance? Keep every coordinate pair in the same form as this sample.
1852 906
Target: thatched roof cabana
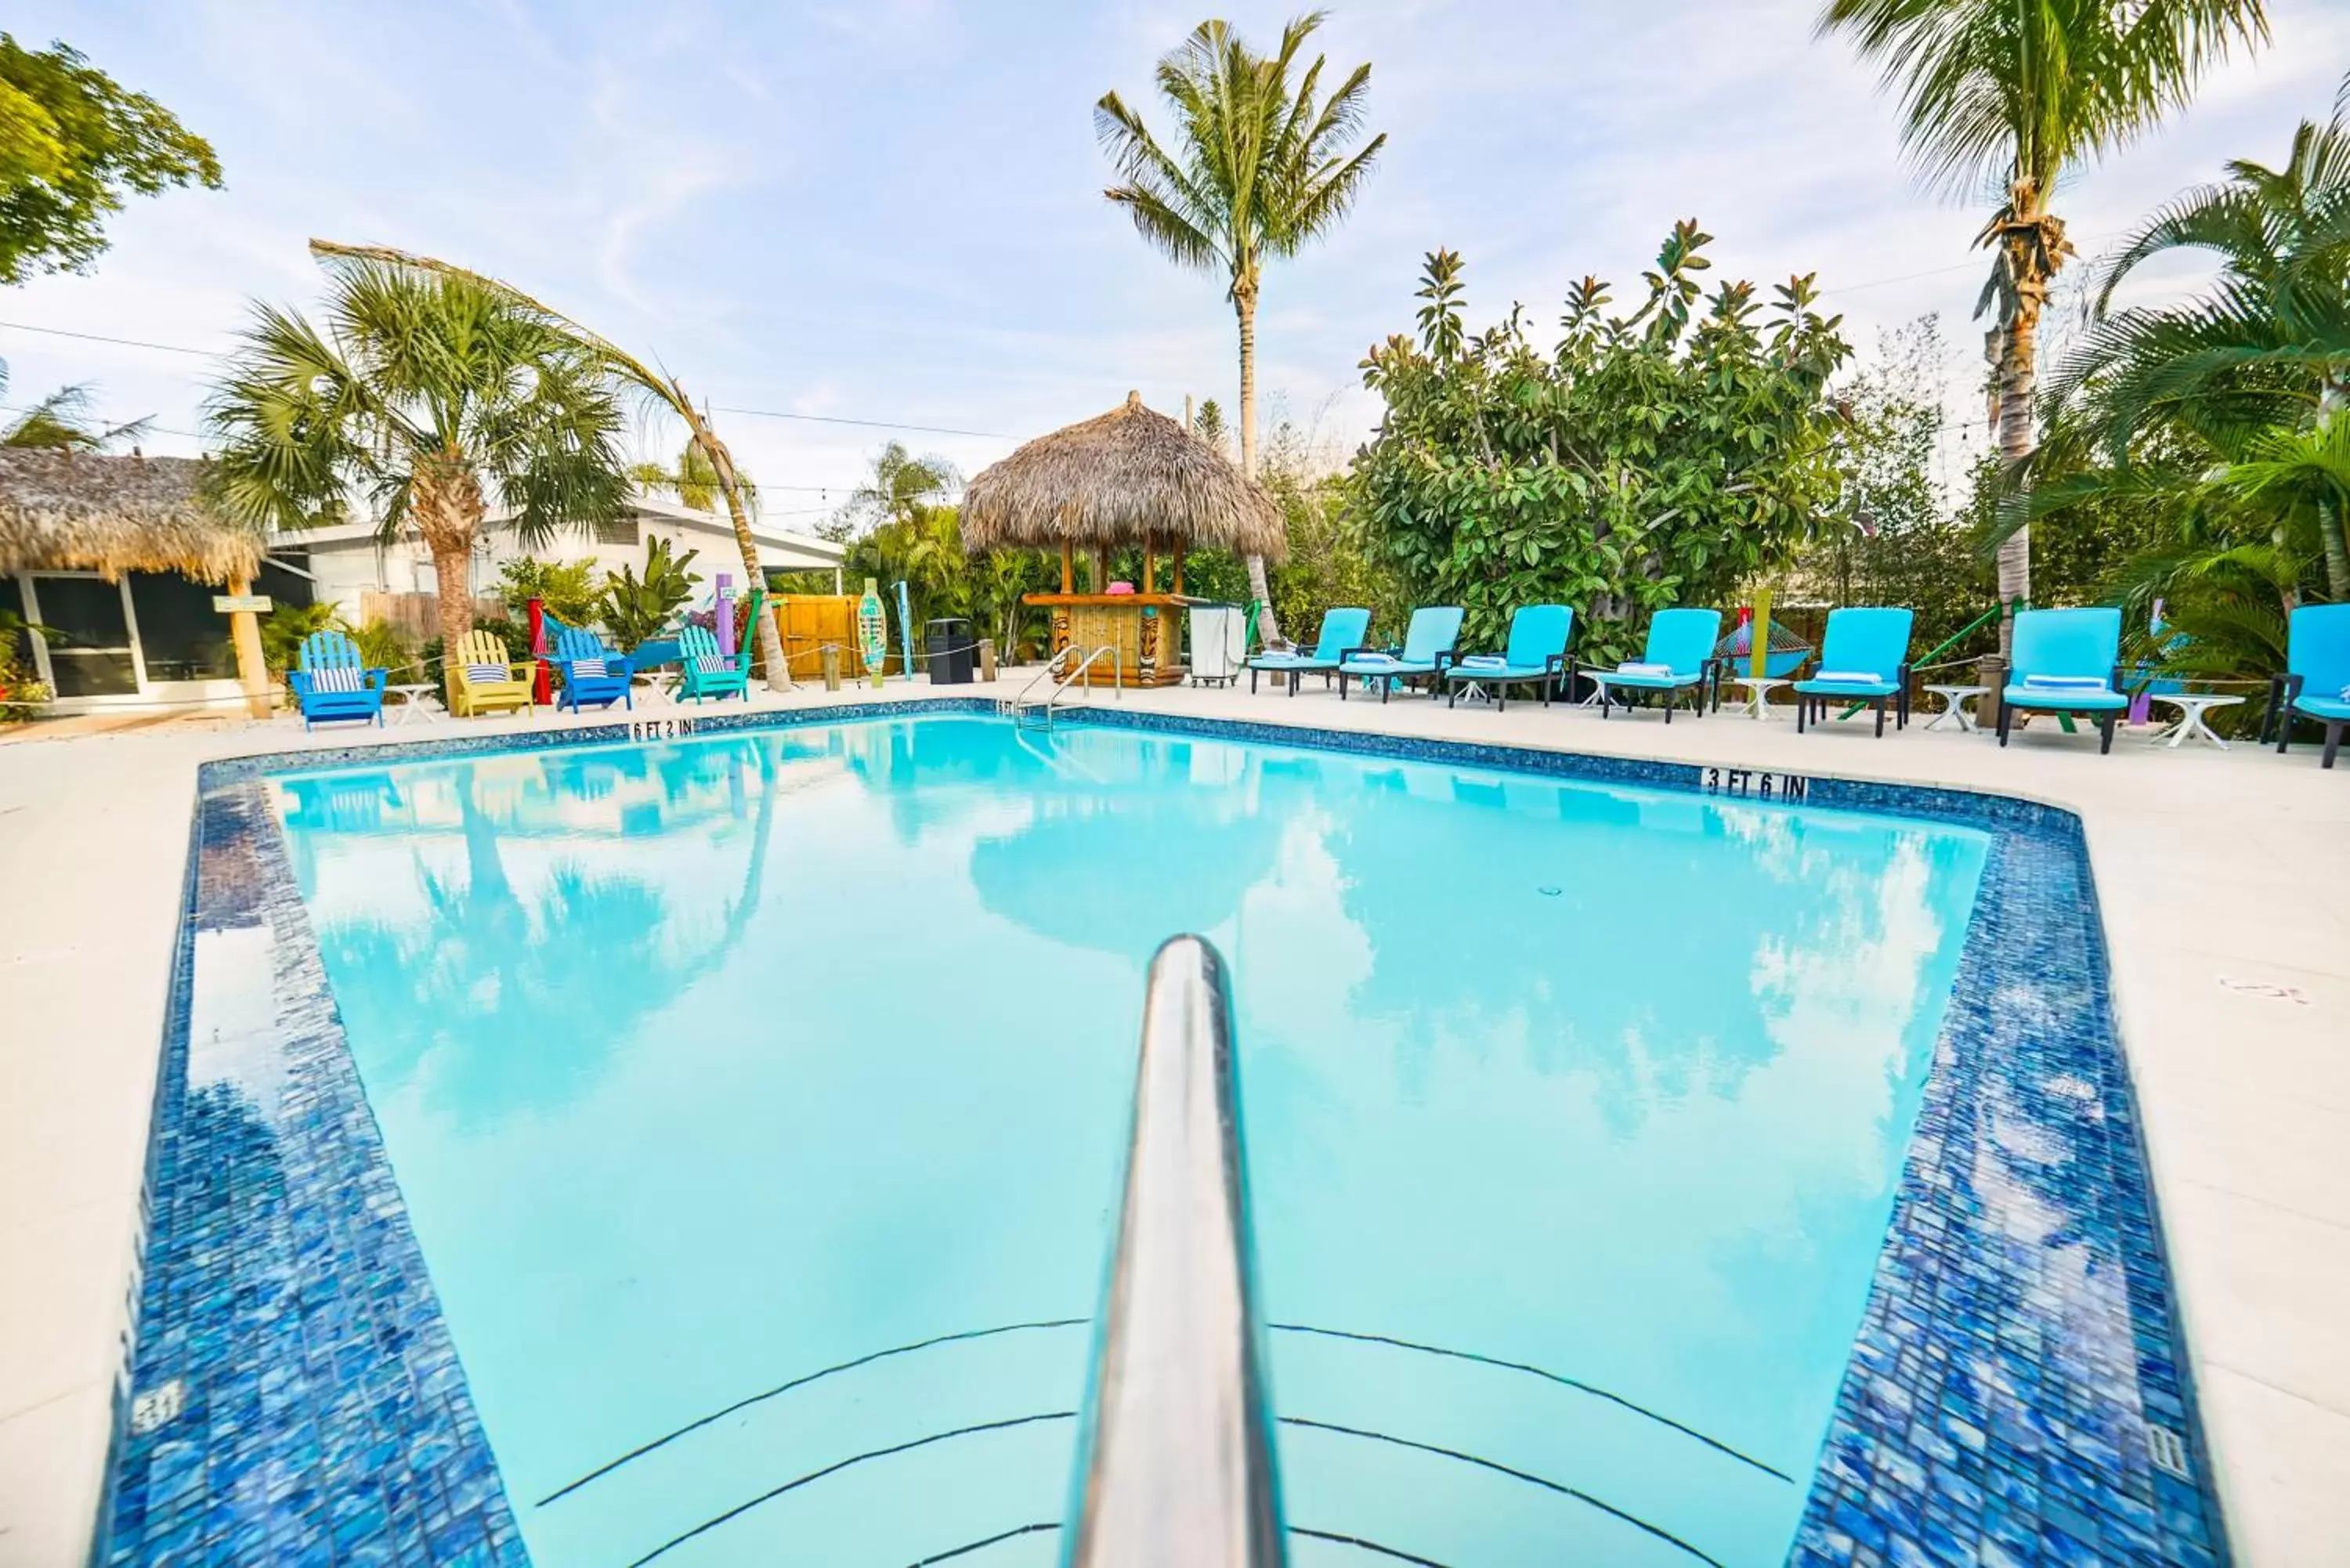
63 511
1129 477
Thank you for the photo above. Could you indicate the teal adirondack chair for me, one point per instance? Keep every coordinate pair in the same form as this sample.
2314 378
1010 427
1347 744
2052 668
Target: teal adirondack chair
330 681
2067 661
1343 631
2316 679
1863 658
1678 658
1536 651
708 673
1426 650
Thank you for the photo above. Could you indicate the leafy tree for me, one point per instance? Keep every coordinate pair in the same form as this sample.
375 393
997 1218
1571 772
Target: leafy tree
1260 166
1658 458
1208 425
73 144
430 393
568 589
2012 95
660 387
1890 539
635 609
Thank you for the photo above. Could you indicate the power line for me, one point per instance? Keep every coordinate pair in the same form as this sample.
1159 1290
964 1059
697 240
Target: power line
755 414
877 424
102 337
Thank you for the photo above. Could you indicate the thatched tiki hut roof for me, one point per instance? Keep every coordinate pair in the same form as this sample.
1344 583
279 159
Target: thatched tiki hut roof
1129 477
64 511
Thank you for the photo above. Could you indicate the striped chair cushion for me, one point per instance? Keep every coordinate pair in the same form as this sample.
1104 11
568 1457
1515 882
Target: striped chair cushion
714 664
337 678
482 674
581 668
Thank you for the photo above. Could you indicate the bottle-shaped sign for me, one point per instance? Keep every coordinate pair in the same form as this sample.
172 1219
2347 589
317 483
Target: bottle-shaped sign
872 630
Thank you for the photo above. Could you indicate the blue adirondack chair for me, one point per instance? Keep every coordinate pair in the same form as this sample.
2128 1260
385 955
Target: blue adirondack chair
1536 651
1863 658
2067 661
2316 679
1678 658
1428 647
329 681
592 672
708 673
1342 631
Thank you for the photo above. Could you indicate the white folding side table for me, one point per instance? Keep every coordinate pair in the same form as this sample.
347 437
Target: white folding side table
1954 706
2191 706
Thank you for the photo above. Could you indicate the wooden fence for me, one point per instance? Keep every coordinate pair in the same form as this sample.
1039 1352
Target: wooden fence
417 617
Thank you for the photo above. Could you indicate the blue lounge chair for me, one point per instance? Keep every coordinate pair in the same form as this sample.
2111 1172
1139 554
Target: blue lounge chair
2067 661
1342 630
1428 645
1536 651
1679 657
329 682
1863 658
708 673
592 672
2316 679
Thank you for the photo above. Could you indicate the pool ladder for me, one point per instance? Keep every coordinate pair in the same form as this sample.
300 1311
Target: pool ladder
1175 1462
1031 712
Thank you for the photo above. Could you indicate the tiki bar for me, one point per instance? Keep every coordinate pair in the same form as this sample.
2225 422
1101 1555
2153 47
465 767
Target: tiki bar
1130 478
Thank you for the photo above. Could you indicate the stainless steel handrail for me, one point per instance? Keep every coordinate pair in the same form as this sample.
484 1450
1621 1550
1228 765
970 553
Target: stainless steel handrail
1176 1463
1117 678
1015 704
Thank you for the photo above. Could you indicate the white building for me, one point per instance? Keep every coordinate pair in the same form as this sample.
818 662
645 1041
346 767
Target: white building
346 562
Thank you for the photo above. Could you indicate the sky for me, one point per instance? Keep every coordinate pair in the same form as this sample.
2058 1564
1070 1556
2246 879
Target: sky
892 209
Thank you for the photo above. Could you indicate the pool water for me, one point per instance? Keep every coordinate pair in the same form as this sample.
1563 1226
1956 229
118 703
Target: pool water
759 1101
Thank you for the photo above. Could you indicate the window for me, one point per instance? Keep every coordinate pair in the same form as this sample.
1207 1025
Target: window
181 636
620 531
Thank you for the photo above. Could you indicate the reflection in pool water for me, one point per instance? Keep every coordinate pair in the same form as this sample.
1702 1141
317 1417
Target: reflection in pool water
1574 1116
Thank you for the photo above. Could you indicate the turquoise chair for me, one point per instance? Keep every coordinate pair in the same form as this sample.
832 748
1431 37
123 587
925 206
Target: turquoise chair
1863 658
591 671
1678 658
330 682
2316 679
1343 631
1428 645
2067 661
1536 651
708 673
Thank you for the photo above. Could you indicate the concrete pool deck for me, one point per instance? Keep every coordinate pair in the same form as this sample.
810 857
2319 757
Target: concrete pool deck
2224 882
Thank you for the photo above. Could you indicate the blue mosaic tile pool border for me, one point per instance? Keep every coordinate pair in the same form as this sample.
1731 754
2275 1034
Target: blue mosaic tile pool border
2018 1392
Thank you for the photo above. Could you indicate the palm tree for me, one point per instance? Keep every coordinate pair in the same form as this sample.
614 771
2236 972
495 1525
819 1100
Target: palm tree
694 480
430 393
2251 376
1259 168
61 422
2012 94
662 387
900 490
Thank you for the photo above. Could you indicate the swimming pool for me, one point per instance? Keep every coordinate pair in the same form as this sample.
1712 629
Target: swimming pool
756 1104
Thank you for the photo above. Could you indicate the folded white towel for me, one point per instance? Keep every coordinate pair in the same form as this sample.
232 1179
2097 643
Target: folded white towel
1374 658
2065 683
1484 661
1851 677
1636 668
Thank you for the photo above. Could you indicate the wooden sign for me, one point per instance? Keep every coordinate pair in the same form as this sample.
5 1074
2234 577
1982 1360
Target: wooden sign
249 604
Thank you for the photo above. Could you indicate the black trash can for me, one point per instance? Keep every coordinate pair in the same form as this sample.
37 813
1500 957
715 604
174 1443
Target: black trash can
948 649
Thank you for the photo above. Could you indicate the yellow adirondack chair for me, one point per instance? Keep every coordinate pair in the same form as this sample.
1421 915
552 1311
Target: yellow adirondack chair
470 694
